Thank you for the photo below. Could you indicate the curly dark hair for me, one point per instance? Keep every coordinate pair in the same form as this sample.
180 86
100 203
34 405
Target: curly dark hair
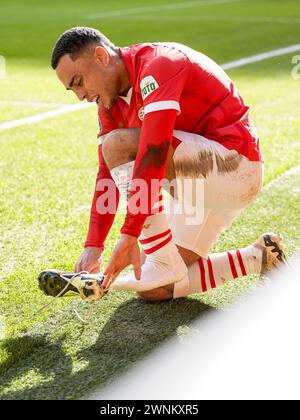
75 41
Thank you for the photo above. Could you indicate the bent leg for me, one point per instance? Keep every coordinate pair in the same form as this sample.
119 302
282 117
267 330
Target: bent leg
230 183
120 146
208 273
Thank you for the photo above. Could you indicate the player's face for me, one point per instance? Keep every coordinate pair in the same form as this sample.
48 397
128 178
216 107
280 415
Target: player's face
92 77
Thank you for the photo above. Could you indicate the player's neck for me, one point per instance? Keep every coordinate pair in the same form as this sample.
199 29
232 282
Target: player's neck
124 78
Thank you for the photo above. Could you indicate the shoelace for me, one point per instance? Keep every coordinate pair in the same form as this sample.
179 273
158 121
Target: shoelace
92 303
90 314
69 281
285 261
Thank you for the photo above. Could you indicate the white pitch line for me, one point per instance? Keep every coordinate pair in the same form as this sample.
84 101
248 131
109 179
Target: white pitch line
227 66
235 19
33 104
43 116
158 8
254 19
260 57
295 170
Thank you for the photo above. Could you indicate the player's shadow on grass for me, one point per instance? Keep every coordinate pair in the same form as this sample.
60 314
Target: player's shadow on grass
135 329
30 353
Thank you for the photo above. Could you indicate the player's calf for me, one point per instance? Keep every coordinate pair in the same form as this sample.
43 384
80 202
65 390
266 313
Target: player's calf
158 295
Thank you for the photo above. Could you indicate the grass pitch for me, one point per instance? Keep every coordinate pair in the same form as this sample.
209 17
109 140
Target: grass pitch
47 179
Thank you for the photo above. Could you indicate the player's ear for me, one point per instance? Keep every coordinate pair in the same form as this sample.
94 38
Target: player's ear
102 55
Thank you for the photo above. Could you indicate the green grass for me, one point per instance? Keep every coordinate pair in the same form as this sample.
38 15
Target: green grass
47 180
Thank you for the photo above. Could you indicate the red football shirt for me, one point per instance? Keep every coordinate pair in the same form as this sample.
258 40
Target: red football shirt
172 87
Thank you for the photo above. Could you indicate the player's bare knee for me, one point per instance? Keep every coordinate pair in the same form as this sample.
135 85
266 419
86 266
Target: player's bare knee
158 295
120 146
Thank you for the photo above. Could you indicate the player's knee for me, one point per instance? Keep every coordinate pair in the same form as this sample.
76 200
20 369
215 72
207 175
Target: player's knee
120 146
158 295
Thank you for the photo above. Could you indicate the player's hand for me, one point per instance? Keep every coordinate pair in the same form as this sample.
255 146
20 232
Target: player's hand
90 261
125 253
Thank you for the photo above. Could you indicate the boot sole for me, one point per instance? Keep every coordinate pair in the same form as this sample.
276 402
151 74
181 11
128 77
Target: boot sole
51 283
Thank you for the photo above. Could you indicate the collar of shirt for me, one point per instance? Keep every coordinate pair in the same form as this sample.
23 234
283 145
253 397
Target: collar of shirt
127 98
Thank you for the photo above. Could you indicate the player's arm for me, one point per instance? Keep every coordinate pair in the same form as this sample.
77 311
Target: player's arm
162 82
151 163
100 220
104 206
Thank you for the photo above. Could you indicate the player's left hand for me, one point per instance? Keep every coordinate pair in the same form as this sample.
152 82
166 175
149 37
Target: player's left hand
125 253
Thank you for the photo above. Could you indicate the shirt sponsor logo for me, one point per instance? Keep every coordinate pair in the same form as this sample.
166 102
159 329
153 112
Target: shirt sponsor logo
148 85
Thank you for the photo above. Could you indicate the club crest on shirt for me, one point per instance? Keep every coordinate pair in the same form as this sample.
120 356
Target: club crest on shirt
141 113
148 85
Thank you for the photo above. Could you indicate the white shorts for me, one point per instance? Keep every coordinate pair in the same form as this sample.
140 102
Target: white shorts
228 183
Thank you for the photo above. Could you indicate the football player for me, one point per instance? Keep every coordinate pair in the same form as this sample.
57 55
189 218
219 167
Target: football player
166 112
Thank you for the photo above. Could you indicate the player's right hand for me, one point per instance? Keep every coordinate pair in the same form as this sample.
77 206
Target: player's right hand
90 261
